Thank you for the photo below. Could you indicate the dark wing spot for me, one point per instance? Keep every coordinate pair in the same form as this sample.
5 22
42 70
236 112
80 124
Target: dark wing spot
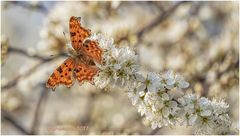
72 33
77 70
69 69
59 69
65 74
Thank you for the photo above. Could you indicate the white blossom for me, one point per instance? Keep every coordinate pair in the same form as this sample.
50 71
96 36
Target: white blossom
153 95
151 83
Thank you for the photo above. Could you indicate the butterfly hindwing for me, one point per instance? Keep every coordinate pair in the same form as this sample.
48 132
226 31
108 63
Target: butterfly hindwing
84 72
77 32
82 65
91 49
62 75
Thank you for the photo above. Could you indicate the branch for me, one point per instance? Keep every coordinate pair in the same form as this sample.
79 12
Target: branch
88 113
5 115
39 106
159 19
154 131
14 82
25 53
38 6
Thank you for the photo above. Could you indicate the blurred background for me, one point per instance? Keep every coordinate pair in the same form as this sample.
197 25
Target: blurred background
197 39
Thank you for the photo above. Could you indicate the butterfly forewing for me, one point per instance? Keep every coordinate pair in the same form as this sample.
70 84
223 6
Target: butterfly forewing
77 33
82 66
62 75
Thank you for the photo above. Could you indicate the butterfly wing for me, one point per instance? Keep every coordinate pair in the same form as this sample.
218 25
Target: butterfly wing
91 49
62 75
84 72
77 32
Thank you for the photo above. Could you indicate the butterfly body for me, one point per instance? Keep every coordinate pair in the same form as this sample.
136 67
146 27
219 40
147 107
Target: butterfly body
84 53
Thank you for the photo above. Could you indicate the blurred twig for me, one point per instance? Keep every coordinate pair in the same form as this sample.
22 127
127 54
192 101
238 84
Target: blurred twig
38 6
88 113
7 116
14 82
43 60
39 109
160 18
154 131
12 49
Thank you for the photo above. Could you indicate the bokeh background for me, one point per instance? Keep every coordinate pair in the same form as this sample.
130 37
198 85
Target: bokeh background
197 39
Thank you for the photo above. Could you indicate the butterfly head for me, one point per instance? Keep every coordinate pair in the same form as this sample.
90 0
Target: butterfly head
75 18
70 51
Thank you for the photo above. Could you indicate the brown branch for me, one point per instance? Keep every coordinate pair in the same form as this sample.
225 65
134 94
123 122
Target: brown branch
88 113
40 7
25 53
6 116
14 82
43 60
154 131
159 19
39 109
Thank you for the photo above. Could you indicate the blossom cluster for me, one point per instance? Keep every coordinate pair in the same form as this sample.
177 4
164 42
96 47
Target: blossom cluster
207 117
159 97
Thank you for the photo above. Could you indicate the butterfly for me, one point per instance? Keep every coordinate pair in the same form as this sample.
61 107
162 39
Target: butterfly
81 64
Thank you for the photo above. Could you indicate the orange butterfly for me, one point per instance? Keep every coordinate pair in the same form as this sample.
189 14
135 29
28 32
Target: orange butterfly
82 64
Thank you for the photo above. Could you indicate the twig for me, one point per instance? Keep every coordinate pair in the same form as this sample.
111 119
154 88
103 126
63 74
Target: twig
88 113
5 115
158 20
26 5
24 52
14 82
39 110
154 131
